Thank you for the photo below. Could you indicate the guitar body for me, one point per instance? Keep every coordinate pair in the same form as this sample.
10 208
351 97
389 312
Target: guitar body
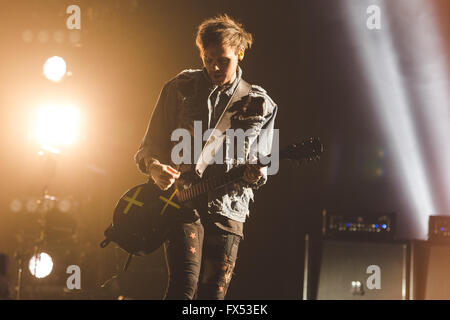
144 216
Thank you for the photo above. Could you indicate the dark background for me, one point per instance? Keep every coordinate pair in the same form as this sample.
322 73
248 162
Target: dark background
302 55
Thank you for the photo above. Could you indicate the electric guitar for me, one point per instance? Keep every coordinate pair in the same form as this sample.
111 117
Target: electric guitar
145 214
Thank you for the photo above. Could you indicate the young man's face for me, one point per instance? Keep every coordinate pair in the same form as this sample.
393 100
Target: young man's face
221 63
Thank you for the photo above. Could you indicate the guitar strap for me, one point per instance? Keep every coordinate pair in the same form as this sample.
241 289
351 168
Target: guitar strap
218 134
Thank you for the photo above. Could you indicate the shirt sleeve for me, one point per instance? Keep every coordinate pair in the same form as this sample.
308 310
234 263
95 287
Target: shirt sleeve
259 116
156 144
265 139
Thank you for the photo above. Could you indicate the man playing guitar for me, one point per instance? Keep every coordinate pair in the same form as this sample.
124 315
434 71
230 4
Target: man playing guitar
201 255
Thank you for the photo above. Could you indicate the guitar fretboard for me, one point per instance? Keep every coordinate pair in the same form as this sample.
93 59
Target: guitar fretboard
307 150
210 184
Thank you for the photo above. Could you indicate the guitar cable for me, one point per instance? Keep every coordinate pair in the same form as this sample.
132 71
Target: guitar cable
125 267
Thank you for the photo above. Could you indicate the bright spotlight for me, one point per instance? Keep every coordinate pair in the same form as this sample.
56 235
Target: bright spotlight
57 126
40 265
55 68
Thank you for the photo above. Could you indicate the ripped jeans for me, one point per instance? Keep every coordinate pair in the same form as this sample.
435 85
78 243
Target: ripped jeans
200 261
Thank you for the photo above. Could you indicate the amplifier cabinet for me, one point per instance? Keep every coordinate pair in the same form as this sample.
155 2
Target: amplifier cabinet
431 270
355 270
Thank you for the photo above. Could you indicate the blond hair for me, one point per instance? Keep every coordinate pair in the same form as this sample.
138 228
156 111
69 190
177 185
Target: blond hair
222 30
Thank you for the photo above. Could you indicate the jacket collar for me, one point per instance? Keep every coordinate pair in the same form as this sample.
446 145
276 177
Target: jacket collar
227 89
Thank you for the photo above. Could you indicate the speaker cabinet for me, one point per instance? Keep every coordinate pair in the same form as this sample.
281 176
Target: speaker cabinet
438 274
353 270
431 269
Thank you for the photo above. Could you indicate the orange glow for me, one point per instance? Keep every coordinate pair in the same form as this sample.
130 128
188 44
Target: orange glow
56 126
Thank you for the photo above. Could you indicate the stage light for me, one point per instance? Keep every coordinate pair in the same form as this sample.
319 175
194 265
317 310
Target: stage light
43 36
379 60
59 36
27 36
55 68
431 92
64 205
32 204
40 265
56 126
75 37
379 172
16 205
48 148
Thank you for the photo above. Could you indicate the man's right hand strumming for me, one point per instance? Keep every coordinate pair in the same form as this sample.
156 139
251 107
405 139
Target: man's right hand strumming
163 175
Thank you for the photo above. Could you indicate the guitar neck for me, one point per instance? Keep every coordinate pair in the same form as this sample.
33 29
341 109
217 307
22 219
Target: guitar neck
307 150
210 184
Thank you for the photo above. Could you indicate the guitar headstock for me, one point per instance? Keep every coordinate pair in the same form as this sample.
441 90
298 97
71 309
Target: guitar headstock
307 150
